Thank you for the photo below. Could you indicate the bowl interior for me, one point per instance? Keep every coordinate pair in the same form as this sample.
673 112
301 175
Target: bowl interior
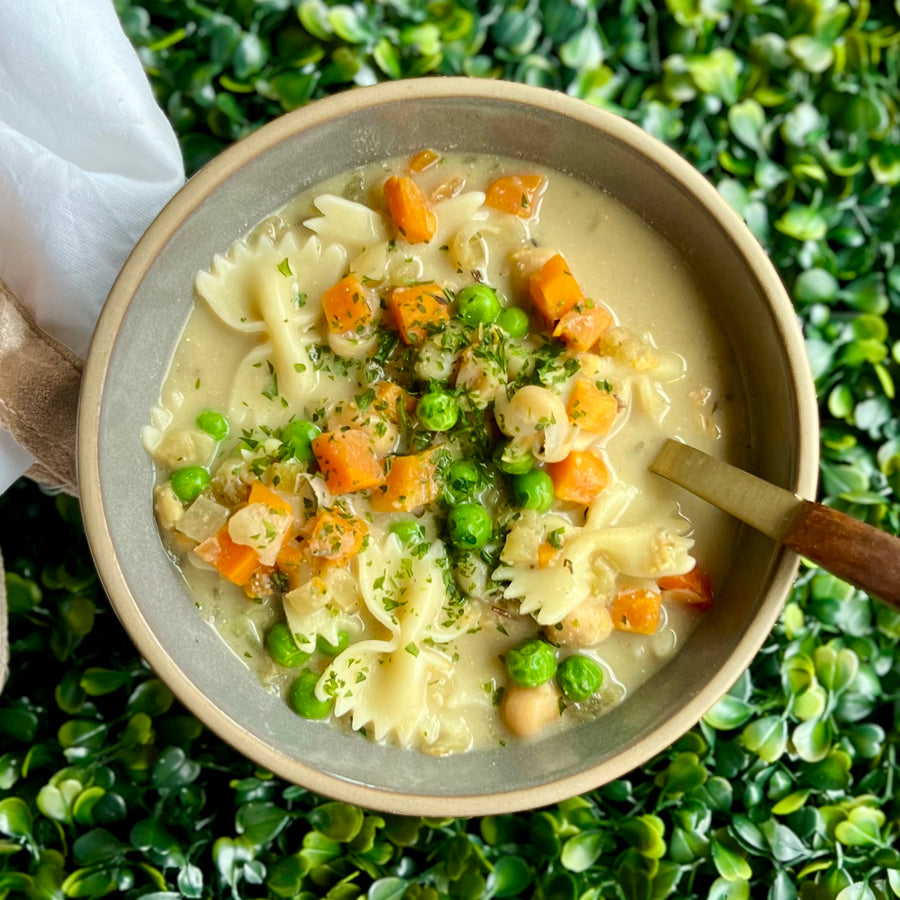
142 322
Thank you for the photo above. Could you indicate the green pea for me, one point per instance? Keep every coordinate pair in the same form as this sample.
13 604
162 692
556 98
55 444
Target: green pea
478 304
513 462
463 476
469 526
408 531
283 648
579 677
326 648
437 411
302 697
514 321
299 436
533 490
214 424
189 482
531 663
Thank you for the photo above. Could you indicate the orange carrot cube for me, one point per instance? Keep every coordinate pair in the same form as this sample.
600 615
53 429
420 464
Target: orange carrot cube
591 408
423 160
692 588
237 562
410 483
347 461
418 310
579 477
409 209
259 493
553 288
393 402
516 194
583 325
346 306
636 610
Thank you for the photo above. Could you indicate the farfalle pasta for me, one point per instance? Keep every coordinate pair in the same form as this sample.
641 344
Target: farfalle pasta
402 450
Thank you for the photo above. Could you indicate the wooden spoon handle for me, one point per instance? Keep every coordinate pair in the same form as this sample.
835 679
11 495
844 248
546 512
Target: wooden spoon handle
866 557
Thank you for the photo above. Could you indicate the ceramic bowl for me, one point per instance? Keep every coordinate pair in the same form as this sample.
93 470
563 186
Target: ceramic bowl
147 309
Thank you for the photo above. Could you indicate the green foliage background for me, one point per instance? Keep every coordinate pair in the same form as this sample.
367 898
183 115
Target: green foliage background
787 788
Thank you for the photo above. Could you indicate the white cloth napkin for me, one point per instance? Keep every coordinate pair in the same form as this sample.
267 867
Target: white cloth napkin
87 159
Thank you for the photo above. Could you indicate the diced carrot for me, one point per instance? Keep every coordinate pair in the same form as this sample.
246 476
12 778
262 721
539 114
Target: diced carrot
546 553
237 562
423 160
335 536
583 325
346 306
693 588
393 402
259 493
591 408
579 477
554 290
347 461
636 610
410 211
418 310
516 194
289 562
410 483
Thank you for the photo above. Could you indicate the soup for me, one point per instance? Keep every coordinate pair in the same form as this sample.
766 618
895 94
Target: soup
402 451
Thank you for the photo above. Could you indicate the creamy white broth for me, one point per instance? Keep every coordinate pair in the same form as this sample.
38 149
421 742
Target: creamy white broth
618 260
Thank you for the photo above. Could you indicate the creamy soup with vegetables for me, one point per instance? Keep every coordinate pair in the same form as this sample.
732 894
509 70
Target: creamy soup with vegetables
402 451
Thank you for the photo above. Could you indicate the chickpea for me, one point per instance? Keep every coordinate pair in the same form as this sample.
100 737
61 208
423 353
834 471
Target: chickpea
586 626
536 417
528 711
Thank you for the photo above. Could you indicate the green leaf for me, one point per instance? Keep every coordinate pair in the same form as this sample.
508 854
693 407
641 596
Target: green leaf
18 724
831 773
260 823
284 878
580 852
730 865
96 682
729 713
791 803
151 697
97 846
15 818
716 73
766 737
862 827
389 888
805 223
724 889
746 120
858 891
22 594
511 876
812 740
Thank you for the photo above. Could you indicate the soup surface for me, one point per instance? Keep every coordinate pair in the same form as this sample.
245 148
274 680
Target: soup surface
402 451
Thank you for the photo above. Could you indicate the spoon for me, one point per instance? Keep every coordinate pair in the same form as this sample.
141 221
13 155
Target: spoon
866 557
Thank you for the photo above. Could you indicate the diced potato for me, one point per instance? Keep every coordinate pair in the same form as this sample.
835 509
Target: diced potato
191 447
202 519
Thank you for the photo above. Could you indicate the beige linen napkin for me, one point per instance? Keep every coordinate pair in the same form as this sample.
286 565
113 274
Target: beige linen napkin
39 383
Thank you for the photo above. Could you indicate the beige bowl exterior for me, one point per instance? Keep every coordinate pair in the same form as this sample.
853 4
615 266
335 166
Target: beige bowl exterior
140 326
